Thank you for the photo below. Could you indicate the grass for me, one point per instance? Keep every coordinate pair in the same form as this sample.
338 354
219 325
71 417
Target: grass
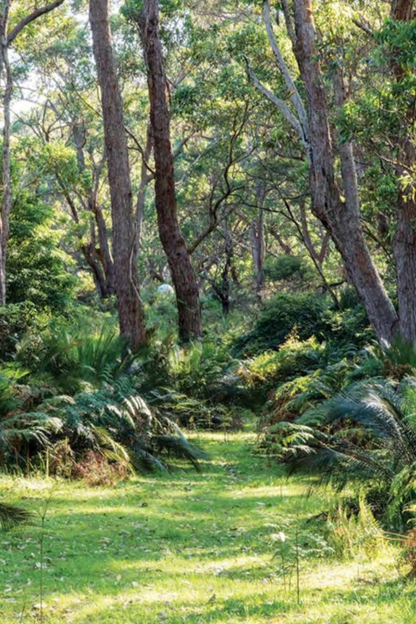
192 548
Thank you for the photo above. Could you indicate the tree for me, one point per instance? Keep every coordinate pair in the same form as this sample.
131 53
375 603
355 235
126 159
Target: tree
171 237
402 12
125 243
6 40
340 215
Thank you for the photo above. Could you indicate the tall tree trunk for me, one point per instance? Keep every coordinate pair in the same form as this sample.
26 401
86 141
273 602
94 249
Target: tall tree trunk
6 160
341 218
130 308
173 242
257 240
404 243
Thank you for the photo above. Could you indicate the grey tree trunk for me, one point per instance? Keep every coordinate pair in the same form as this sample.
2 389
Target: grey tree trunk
130 308
5 69
173 242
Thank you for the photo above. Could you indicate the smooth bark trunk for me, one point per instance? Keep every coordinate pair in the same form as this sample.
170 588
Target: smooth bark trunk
173 242
5 69
130 308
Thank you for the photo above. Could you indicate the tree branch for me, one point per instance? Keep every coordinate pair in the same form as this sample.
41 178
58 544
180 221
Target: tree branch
31 17
281 64
280 104
364 27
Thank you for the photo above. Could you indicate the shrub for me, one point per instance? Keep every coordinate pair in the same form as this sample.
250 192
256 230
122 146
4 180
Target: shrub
16 319
305 314
363 437
71 356
294 358
293 269
36 270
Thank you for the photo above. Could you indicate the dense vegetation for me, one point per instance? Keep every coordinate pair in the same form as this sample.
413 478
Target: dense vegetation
208 227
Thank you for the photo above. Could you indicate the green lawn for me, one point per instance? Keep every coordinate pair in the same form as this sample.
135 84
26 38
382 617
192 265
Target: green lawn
194 548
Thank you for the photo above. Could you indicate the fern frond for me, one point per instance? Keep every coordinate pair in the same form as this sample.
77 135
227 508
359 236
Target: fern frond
11 516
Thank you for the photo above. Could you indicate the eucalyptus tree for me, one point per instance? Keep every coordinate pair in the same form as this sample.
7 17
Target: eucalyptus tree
125 243
401 61
338 209
173 242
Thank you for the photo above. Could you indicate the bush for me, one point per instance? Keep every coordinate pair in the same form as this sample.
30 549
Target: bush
288 268
36 270
293 359
305 314
362 438
16 320
71 355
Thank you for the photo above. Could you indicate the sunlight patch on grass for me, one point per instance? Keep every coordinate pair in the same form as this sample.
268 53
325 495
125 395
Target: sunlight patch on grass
190 549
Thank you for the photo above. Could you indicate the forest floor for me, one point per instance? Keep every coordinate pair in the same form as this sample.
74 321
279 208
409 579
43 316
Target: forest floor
190 548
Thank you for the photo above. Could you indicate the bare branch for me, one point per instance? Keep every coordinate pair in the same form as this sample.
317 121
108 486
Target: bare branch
289 22
281 64
364 27
229 189
280 104
141 150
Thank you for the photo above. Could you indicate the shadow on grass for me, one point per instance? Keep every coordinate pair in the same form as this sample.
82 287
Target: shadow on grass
206 533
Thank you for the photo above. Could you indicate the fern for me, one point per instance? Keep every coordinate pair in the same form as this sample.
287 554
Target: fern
370 438
11 516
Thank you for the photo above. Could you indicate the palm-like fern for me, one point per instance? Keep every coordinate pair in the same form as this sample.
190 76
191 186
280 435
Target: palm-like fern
75 358
10 516
366 435
118 423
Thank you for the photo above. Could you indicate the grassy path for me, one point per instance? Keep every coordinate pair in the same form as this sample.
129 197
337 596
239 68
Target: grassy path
192 548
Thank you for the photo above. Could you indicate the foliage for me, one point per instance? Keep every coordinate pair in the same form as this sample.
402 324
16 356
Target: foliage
280 317
74 352
351 532
37 271
366 436
294 358
195 384
11 516
290 269
305 315
16 319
